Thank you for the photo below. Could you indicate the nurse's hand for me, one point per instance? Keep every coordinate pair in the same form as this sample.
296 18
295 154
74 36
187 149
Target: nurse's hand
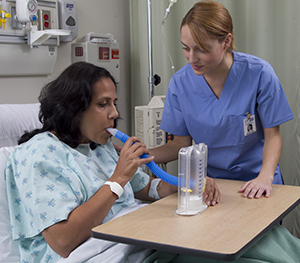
257 187
212 194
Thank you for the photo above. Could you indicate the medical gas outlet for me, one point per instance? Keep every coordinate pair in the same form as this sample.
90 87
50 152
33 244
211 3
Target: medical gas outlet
3 15
28 45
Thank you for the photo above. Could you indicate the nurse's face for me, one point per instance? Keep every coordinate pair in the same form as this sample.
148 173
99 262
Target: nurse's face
100 114
202 62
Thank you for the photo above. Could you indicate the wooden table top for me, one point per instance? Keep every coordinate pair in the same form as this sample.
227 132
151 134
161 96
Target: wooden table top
221 232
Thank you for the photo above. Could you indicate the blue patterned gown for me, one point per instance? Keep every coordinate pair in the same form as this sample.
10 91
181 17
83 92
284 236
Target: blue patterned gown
46 179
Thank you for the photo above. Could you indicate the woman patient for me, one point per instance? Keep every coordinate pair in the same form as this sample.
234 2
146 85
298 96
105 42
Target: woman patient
66 178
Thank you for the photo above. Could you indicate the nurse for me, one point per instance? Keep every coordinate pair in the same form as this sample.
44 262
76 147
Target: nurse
231 101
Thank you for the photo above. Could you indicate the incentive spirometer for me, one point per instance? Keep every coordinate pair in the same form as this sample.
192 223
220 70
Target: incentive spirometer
191 178
192 171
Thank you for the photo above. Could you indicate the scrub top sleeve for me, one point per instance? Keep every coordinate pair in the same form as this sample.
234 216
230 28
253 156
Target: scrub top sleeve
273 107
172 119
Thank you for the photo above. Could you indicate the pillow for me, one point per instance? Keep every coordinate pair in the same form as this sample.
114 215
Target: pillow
9 249
15 119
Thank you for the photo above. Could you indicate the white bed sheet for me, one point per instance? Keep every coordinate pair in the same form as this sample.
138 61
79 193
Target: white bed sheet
97 250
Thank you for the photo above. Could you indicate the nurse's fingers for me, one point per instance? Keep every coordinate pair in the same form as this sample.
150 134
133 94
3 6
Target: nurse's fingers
244 187
251 190
263 191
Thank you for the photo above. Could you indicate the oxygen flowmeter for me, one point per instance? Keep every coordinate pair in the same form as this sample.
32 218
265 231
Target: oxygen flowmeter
26 10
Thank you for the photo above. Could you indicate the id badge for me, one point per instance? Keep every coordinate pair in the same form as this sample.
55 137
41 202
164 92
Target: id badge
249 125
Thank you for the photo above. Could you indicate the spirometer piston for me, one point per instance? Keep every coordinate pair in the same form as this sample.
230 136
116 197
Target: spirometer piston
192 170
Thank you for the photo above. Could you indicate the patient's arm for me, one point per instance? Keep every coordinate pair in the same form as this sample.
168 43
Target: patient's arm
63 237
164 190
212 194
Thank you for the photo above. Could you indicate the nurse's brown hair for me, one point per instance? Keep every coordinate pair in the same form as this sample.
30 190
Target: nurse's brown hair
209 19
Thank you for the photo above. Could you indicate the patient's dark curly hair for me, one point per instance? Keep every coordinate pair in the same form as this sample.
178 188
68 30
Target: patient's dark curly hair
65 99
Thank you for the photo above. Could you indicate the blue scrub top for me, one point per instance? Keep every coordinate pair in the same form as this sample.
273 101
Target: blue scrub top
252 87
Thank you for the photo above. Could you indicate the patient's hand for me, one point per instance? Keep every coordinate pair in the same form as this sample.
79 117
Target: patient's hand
212 194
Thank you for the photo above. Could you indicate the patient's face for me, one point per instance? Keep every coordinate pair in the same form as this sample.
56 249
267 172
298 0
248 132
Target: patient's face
100 114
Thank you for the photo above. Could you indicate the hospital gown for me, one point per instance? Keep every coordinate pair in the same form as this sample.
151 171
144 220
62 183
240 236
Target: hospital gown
231 126
46 179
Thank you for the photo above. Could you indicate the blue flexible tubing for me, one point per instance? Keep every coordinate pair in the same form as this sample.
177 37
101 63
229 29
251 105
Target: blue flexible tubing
151 165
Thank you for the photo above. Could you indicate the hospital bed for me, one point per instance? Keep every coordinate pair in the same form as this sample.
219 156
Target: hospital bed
14 120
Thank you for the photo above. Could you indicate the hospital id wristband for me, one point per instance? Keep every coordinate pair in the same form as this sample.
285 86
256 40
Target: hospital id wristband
115 188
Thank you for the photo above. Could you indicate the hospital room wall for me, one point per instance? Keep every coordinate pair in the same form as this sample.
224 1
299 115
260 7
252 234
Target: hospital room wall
99 16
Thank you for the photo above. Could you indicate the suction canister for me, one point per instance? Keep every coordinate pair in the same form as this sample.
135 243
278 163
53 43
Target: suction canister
192 171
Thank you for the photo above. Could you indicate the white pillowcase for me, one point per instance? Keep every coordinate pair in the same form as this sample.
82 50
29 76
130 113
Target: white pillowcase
9 249
15 119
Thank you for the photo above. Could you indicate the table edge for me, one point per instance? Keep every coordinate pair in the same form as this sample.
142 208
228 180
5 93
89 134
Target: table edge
196 252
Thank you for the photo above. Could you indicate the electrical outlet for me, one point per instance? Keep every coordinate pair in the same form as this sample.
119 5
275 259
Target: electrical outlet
44 18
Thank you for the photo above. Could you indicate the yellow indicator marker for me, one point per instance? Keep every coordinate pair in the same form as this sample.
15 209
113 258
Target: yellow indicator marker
190 190
186 190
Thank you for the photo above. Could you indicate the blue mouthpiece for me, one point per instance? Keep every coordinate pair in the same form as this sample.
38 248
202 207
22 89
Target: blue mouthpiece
151 165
